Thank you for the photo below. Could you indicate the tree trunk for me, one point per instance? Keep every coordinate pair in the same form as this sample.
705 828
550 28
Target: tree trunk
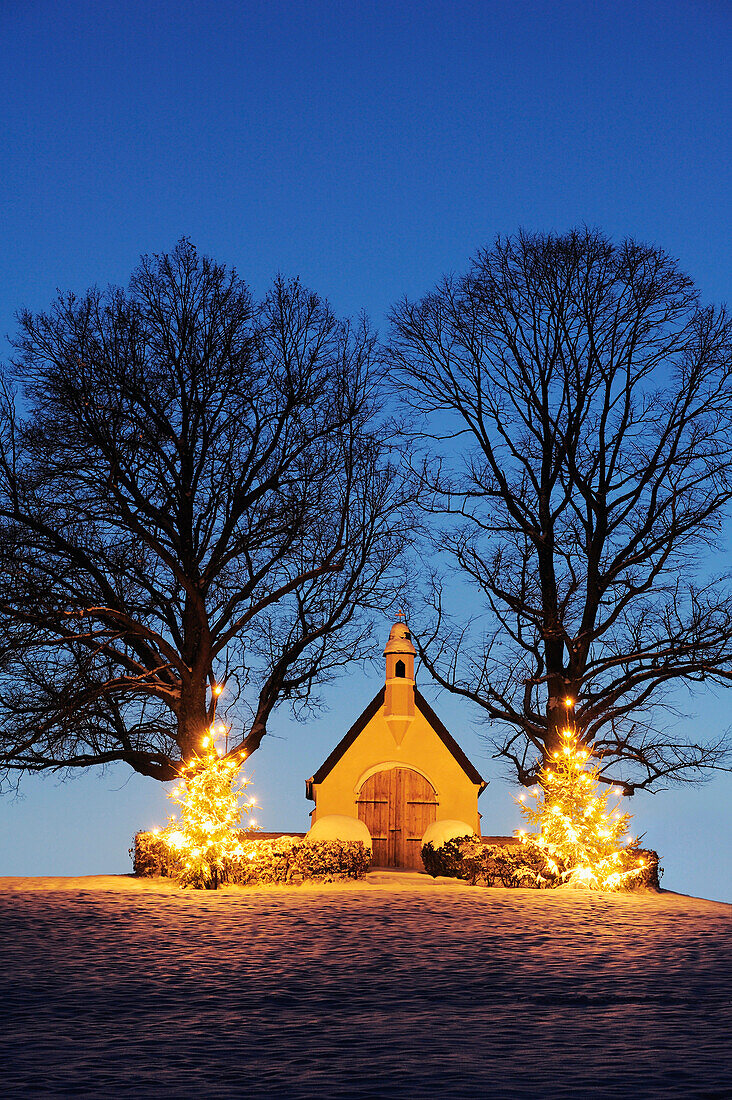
193 719
193 716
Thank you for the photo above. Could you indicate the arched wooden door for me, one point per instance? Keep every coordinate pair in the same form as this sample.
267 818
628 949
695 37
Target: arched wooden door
397 806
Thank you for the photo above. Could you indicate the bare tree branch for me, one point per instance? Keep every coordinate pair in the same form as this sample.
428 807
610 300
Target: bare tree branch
194 488
575 426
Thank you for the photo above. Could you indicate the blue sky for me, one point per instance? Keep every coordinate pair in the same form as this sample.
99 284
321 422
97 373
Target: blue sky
367 147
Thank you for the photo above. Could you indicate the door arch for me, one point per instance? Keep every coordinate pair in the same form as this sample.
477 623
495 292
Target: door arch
396 805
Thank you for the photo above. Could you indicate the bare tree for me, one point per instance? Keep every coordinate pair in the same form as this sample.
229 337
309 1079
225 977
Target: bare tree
194 491
576 469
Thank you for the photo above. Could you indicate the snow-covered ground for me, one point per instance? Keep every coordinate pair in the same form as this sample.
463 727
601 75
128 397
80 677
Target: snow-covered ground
397 986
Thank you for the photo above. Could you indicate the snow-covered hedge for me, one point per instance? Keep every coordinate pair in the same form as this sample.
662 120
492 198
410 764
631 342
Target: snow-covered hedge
512 865
489 864
284 859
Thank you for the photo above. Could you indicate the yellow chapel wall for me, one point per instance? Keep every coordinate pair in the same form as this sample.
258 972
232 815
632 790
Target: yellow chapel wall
375 749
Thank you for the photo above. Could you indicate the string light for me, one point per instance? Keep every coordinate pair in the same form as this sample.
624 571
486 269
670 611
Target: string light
575 826
211 797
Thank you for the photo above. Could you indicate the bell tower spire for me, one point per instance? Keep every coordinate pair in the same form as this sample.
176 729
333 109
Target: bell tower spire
399 691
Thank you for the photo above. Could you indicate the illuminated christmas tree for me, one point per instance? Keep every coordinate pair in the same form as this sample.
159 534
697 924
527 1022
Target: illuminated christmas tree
583 836
211 796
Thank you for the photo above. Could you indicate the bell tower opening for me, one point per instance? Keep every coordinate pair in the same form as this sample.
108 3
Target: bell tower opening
400 669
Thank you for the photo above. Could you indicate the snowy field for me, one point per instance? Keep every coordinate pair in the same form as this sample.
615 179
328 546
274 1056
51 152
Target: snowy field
394 987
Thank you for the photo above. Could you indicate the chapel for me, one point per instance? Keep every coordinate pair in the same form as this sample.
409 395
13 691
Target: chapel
397 769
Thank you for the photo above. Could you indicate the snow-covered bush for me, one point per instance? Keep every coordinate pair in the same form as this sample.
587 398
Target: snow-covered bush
456 857
652 873
152 857
338 827
439 832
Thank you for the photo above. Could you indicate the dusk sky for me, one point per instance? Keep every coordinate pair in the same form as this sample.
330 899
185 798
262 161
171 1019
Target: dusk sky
367 148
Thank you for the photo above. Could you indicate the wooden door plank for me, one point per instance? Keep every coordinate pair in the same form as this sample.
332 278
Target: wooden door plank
370 806
393 824
420 811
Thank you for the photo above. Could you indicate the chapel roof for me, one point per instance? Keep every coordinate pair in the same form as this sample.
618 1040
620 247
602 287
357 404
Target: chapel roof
363 720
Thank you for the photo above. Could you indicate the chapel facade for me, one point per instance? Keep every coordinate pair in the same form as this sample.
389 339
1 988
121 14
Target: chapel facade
398 769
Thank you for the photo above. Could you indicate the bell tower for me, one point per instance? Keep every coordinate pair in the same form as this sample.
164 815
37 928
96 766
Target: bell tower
399 692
